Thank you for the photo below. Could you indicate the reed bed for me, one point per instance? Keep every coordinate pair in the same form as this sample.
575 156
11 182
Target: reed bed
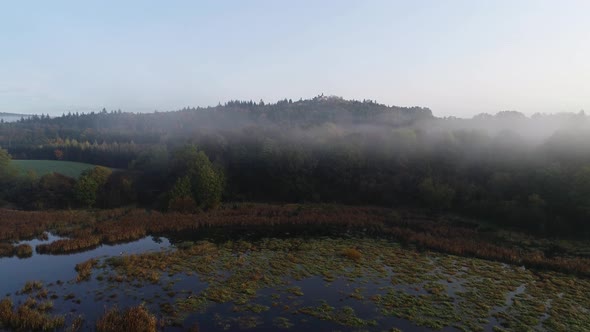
23 250
84 269
132 319
64 246
29 316
88 229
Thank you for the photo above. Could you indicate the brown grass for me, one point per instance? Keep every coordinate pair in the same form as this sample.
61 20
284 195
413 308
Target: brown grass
28 317
352 254
90 229
23 250
6 249
132 319
84 269
65 246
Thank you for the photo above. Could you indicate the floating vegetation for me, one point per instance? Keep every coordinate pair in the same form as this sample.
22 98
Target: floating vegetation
428 289
31 286
343 316
282 323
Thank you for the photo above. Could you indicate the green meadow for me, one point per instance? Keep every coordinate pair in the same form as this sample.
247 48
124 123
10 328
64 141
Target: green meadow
42 167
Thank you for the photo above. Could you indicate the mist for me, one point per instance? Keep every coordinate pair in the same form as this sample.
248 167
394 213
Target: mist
328 149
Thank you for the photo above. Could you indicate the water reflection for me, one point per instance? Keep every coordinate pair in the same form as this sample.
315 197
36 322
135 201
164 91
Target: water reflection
50 268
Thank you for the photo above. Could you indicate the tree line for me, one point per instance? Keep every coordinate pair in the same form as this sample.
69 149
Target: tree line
508 169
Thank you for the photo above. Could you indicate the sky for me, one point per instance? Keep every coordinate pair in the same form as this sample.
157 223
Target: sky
458 58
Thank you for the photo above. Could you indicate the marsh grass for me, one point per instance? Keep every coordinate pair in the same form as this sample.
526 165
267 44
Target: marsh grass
427 288
352 254
342 316
84 269
88 229
6 249
29 316
23 250
131 319
76 325
31 286
65 246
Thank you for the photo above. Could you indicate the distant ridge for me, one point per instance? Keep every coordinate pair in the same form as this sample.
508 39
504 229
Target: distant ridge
15 114
14 117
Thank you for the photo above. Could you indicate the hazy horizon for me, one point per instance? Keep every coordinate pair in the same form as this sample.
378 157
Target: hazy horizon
457 58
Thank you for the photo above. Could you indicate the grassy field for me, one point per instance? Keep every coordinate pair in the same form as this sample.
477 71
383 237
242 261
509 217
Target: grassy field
42 167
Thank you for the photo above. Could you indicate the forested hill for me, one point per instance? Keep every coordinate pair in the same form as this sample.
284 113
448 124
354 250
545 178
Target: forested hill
234 114
529 172
38 136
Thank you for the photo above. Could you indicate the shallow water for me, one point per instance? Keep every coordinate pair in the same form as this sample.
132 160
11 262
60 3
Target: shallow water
91 298
50 268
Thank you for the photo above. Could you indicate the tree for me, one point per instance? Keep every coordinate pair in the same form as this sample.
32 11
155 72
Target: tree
206 181
436 195
181 196
7 174
90 184
4 162
54 190
59 154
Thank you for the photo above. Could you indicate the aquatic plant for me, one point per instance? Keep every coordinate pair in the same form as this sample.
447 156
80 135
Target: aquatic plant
88 229
84 269
23 250
131 319
352 254
69 245
76 325
31 286
430 289
28 316
6 249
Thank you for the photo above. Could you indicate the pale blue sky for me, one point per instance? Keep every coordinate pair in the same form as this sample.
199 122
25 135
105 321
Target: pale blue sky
456 57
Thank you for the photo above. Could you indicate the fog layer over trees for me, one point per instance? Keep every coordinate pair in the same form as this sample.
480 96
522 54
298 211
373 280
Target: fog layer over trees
526 172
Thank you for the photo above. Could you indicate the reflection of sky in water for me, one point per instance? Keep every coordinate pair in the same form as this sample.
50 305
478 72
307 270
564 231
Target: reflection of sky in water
14 272
96 295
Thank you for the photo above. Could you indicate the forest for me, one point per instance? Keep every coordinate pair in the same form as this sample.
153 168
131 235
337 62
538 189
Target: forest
528 173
